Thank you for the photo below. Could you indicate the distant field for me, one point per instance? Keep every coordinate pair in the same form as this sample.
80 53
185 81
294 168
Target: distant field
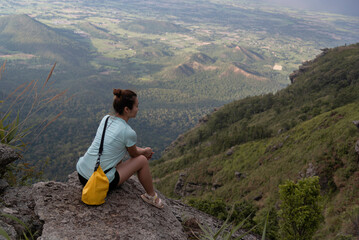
183 58
17 56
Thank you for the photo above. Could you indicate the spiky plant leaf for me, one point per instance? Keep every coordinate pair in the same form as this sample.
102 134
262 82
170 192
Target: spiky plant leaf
4 234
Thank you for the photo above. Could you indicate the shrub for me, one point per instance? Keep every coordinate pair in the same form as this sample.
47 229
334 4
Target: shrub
300 213
216 208
237 213
270 215
244 210
353 216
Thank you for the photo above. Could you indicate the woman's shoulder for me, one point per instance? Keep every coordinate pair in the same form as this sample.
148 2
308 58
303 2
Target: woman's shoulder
105 117
118 122
127 128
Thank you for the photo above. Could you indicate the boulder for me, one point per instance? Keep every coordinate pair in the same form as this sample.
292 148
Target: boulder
7 155
18 202
124 215
239 175
356 123
180 185
53 210
216 185
258 197
274 147
3 185
191 187
311 171
293 76
357 147
230 151
204 119
10 230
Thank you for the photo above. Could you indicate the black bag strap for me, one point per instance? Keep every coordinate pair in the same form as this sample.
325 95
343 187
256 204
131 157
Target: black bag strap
101 147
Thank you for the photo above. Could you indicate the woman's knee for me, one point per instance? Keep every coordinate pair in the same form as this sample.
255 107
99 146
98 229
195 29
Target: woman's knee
142 160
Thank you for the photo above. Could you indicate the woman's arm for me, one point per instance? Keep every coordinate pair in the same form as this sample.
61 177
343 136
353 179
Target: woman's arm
135 151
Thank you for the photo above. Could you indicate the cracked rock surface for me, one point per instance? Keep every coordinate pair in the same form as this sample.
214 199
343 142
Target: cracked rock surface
124 215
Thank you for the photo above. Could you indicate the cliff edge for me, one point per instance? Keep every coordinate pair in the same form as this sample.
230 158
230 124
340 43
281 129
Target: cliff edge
53 210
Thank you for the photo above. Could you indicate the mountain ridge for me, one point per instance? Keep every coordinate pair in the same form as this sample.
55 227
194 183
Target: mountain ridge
245 149
21 33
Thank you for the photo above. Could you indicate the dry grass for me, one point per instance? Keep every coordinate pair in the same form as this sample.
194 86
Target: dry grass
27 99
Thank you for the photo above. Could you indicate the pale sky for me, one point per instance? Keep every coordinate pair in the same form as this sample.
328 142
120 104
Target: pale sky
346 7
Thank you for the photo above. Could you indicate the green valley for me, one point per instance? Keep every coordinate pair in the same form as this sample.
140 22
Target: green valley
183 58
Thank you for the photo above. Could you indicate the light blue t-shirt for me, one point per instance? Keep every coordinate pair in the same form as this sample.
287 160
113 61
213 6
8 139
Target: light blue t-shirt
118 136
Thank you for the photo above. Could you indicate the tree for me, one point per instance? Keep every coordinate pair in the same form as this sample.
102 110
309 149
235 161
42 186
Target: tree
300 213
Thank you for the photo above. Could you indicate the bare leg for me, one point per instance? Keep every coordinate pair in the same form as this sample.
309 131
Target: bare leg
140 165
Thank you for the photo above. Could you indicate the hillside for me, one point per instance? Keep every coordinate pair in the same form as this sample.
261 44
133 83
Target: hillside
153 27
95 31
23 34
184 58
244 150
224 73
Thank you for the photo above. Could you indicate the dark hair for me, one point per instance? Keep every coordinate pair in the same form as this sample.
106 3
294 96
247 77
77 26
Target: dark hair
123 98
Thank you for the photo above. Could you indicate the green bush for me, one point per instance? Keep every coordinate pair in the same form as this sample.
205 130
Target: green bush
236 213
216 208
300 213
352 216
270 215
244 210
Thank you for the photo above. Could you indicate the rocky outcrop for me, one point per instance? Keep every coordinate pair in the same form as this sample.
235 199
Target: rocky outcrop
3 185
16 202
179 187
57 210
7 155
123 216
303 68
54 210
239 175
274 147
179 142
306 65
356 123
310 171
230 151
204 119
357 147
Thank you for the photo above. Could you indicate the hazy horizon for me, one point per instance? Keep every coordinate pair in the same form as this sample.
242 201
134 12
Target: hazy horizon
346 7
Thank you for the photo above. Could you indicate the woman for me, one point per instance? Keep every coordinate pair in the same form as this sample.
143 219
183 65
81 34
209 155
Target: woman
119 139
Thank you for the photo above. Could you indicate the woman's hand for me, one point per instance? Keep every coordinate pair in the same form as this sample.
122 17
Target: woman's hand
135 151
148 153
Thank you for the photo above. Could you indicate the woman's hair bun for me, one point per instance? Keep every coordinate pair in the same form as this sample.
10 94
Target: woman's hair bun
117 92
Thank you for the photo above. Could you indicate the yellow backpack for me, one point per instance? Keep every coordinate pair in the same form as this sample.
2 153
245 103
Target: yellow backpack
96 188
